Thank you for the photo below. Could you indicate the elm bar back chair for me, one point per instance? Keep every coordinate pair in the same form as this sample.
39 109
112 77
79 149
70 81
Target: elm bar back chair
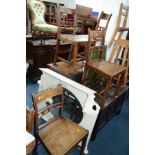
58 134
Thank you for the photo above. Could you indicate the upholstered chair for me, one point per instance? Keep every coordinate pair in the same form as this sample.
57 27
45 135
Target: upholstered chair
39 25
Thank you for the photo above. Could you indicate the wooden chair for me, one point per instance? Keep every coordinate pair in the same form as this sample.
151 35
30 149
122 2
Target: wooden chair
65 26
58 135
121 23
83 15
29 126
109 71
103 22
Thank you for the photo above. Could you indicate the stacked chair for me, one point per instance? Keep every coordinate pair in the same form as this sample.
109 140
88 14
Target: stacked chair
111 73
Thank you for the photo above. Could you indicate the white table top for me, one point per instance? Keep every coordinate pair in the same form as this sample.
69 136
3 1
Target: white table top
29 138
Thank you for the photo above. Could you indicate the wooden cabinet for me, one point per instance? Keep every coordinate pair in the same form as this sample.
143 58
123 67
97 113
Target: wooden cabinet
51 12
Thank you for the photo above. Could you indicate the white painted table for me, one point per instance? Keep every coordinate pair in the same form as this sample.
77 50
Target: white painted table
30 142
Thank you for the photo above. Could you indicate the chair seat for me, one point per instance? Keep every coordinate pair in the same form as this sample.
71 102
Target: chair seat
61 135
106 68
46 28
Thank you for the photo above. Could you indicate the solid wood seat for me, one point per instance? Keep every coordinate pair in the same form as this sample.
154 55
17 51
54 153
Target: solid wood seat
73 71
106 68
112 72
61 136
58 134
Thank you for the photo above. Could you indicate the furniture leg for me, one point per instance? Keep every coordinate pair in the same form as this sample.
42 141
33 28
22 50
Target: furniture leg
120 83
56 51
75 52
84 75
71 53
107 88
83 145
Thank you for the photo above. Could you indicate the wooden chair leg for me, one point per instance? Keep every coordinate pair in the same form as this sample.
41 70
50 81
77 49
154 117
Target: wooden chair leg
105 95
84 75
120 83
70 53
56 51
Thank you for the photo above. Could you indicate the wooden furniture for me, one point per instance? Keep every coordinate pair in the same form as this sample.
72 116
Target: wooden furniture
84 95
38 56
72 71
103 22
87 100
84 18
30 140
29 119
112 108
121 23
106 70
59 135
39 25
51 12
75 40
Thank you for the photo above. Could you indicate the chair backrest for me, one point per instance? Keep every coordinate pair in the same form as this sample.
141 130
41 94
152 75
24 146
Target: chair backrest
66 17
122 18
121 23
37 9
29 119
103 21
54 94
95 44
82 16
83 11
119 54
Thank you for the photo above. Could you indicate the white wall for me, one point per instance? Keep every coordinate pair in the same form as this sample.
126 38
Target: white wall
108 6
67 3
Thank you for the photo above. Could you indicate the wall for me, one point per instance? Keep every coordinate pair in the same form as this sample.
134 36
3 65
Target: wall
67 3
108 6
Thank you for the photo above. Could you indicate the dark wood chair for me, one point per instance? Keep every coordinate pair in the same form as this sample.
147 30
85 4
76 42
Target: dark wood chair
58 135
66 25
111 72
121 23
